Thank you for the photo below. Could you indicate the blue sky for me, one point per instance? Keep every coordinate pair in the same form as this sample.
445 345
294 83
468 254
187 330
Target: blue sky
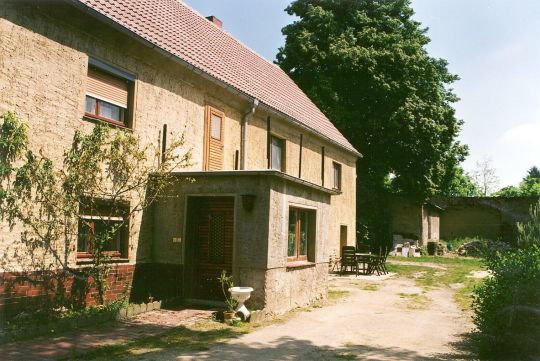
493 45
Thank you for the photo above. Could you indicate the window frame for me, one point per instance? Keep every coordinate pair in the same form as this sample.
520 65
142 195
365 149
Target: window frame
283 153
112 71
310 217
89 218
337 169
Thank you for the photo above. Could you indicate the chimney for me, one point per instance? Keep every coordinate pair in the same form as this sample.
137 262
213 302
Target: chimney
215 21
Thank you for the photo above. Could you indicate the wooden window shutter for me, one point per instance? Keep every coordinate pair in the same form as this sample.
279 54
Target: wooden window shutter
107 87
214 124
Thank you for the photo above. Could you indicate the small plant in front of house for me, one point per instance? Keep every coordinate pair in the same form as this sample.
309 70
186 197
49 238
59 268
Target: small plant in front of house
226 283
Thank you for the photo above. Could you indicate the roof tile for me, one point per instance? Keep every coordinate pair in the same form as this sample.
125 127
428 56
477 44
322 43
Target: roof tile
181 31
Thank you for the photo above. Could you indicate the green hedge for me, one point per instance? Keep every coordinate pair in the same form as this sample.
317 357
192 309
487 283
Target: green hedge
507 305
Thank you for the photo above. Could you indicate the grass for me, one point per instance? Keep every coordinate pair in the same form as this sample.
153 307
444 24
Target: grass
336 294
457 270
416 301
371 287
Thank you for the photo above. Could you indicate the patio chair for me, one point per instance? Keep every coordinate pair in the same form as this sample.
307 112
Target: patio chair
334 263
378 262
348 259
363 248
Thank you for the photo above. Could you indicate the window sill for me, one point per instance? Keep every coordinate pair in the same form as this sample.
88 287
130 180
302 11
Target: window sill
87 261
94 118
293 265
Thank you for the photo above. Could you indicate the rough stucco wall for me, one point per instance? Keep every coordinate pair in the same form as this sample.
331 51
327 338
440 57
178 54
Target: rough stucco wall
470 222
434 220
406 218
51 59
290 287
343 206
296 287
43 67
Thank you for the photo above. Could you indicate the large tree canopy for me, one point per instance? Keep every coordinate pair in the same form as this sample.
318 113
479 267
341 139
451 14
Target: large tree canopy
364 63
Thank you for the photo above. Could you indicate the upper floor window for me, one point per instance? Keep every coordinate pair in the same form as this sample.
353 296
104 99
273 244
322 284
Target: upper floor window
108 94
337 176
277 154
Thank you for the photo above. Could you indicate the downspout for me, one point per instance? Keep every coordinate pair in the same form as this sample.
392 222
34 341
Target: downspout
244 134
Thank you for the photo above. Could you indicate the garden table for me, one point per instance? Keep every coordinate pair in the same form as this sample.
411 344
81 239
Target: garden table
364 258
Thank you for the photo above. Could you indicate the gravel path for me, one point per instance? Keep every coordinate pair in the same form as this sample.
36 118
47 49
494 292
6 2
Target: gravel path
397 321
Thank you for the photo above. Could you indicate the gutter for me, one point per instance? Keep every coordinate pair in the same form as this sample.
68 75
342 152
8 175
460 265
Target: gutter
244 134
111 22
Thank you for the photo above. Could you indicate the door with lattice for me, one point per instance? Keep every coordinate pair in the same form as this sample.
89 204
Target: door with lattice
211 244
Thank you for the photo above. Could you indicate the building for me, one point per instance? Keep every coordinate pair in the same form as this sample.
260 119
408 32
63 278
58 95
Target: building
274 190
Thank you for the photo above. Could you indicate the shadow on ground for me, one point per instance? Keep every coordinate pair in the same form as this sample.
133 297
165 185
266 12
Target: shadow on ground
284 348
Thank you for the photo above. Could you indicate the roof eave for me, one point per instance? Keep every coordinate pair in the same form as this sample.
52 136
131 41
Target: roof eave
96 14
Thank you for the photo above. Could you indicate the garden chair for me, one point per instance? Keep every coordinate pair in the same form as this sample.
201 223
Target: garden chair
334 263
348 259
378 262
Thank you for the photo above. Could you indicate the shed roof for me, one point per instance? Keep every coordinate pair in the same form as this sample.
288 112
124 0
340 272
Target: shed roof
174 28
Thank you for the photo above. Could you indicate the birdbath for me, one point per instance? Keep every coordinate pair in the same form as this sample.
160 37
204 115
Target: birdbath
241 295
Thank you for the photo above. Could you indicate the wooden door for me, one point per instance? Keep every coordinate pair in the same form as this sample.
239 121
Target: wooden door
210 245
213 139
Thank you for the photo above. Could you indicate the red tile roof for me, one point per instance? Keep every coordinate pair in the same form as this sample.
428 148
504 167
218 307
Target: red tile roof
181 31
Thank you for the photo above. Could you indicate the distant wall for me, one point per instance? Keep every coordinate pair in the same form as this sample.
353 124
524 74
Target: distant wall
484 217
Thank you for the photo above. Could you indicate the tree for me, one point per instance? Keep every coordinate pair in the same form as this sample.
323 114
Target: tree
47 200
485 177
365 65
528 187
462 185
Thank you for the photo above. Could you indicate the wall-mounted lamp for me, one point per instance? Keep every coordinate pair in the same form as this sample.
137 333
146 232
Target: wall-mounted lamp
248 201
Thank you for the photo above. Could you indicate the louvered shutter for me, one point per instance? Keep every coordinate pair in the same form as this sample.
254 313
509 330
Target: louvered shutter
107 87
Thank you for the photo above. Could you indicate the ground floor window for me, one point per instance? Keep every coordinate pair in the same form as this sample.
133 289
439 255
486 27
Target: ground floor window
105 225
301 235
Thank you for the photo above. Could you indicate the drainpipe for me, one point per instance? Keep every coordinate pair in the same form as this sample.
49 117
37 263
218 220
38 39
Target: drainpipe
244 135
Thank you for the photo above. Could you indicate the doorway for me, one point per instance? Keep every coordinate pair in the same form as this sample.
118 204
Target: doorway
209 245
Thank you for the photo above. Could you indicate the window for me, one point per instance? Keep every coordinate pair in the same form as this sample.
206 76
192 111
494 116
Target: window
215 126
300 242
213 138
102 224
277 154
337 176
108 94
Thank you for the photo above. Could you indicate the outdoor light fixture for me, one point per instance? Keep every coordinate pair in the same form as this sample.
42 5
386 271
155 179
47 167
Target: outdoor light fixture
248 201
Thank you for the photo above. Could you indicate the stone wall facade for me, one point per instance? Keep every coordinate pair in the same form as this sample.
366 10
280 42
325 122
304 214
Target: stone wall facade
44 56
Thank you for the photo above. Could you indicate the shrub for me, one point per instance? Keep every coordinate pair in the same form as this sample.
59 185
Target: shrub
507 305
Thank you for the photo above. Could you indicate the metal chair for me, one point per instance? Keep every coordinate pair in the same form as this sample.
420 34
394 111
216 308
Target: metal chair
348 259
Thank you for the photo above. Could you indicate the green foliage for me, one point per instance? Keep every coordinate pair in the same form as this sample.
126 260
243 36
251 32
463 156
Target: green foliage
507 304
365 65
226 283
529 186
529 232
46 199
461 185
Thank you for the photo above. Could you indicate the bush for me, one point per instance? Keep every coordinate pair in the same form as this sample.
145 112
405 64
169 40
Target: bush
507 305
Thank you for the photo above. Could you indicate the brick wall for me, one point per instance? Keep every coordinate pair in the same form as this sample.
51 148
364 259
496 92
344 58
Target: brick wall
29 290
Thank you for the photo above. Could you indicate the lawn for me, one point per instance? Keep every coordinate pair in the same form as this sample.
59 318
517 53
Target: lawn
452 272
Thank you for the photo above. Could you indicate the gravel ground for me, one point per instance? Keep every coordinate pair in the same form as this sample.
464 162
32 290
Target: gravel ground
380 319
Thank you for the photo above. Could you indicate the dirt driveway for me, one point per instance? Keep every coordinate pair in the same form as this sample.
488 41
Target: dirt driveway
378 319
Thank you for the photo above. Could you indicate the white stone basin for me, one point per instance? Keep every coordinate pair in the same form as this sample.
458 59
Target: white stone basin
241 295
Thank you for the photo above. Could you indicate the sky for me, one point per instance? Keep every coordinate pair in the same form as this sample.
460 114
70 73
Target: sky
492 45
